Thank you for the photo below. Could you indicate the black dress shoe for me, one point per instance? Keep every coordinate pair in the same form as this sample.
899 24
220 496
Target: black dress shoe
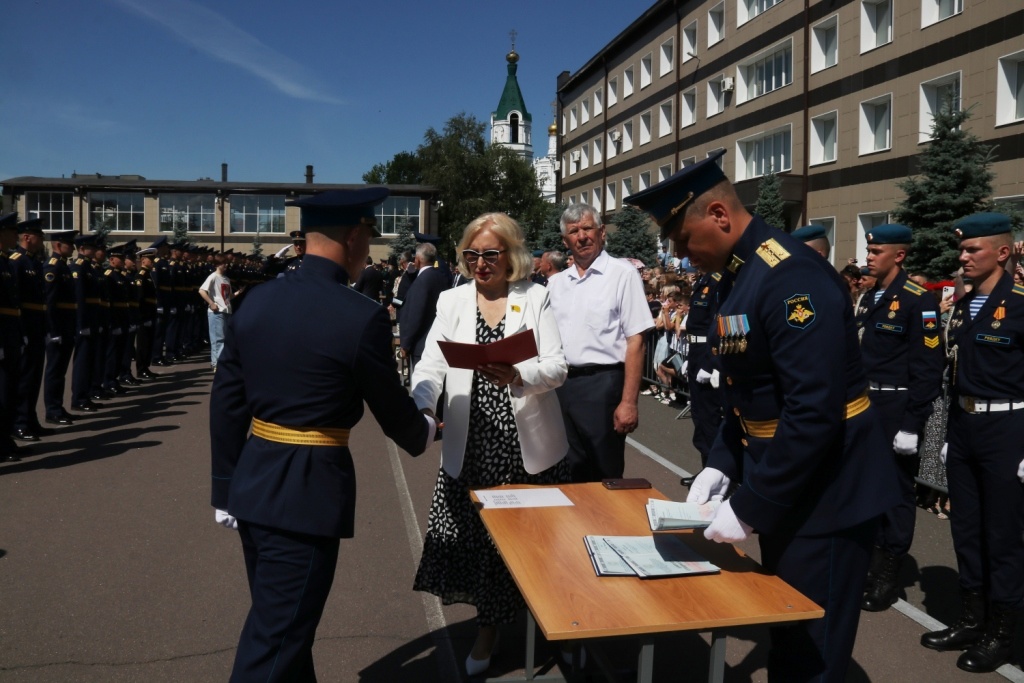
98 396
130 381
146 374
86 407
24 435
163 363
59 419
116 389
10 457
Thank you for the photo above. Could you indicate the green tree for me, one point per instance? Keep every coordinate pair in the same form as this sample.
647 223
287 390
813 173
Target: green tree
550 234
956 178
180 232
632 236
257 244
403 169
403 240
769 201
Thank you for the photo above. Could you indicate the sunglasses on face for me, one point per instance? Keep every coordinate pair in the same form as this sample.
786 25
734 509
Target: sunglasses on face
490 256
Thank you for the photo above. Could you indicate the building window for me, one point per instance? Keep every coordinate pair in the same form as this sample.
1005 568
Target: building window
825 44
1010 89
627 82
690 42
688 112
513 128
645 71
252 213
609 197
716 94
55 209
598 103
688 161
584 198
190 212
116 211
645 180
748 9
876 125
823 138
397 212
668 57
598 156
665 118
867 222
627 187
664 172
563 166
572 119
718 161
934 11
716 24
627 136
614 138
830 232
765 153
572 199
597 200
563 123
939 95
584 112
584 157
613 90
875 24
645 128
766 72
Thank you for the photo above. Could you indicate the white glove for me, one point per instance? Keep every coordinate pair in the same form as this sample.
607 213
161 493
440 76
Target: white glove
85 332
56 339
726 527
133 328
160 310
174 311
116 331
905 443
282 250
710 483
703 376
714 379
686 364
1020 471
942 453
225 520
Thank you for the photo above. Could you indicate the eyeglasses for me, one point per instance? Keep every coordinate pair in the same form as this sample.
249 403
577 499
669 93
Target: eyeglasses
490 256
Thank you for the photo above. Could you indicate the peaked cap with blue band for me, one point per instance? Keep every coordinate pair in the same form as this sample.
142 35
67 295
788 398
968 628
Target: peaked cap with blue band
666 200
337 208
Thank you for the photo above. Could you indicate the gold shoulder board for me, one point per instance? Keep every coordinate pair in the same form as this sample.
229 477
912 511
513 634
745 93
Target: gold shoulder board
772 253
53 261
914 288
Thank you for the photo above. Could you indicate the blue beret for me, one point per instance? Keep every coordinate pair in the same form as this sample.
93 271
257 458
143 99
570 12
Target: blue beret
890 233
85 240
423 237
336 208
297 236
672 195
810 232
865 271
983 225
64 237
32 225
159 242
9 220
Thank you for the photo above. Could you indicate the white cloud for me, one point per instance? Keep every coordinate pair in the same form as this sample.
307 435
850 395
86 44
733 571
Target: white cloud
212 33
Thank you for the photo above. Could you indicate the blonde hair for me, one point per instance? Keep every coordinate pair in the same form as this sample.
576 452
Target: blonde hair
520 261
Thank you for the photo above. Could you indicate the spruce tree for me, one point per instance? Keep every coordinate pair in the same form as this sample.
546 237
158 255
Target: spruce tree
180 231
257 244
404 239
632 236
769 201
550 235
955 180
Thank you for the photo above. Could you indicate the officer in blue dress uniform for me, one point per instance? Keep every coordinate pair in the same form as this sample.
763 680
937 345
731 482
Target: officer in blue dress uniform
291 485
61 318
147 313
116 290
87 303
129 272
11 338
162 282
29 274
702 371
984 454
800 439
299 244
898 321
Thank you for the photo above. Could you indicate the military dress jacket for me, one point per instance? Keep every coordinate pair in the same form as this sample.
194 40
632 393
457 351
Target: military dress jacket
305 351
59 292
86 294
792 372
703 306
29 277
988 350
901 345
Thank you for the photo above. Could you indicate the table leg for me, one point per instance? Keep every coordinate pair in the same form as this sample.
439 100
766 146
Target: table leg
531 644
716 669
645 665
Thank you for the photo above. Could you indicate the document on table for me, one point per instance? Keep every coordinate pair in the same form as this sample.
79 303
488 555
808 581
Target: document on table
511 350
524 498
668 515
646 556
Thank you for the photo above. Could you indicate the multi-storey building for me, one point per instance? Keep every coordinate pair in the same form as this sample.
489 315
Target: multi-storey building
835 96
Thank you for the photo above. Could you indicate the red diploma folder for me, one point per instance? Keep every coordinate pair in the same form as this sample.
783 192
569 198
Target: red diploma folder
511 350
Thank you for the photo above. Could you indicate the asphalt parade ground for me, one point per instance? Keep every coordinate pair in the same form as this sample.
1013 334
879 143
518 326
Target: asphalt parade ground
112 568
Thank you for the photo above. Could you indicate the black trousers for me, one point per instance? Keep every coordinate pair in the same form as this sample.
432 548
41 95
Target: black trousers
81 371
159 334
115 355
10 368
173 334
596 450
896 526
706 411
830 570
58 357
33 360
290 577
144 346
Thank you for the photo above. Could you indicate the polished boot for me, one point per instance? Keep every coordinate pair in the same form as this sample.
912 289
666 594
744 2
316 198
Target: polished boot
882 589
877 558
996 644
966 631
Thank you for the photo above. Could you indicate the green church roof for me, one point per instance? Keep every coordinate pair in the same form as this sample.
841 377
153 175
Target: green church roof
511 96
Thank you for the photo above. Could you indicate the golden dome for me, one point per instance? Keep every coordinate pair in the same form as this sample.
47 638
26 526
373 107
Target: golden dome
553 129
512 57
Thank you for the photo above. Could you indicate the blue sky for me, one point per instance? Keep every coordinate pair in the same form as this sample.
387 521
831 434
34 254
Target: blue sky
170 89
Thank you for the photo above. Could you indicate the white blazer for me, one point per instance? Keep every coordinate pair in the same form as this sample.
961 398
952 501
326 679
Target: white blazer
535 405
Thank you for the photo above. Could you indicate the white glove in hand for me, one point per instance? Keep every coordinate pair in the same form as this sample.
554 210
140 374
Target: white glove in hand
714 379
174 311
84 333
686 364
225 520
726 527
703 376
54 340
710 483
1020 471
160 310
942 453
905 443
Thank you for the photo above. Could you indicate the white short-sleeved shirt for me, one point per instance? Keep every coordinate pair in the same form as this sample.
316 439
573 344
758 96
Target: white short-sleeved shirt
219 288
598 311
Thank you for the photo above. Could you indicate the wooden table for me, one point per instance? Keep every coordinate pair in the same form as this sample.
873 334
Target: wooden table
544 551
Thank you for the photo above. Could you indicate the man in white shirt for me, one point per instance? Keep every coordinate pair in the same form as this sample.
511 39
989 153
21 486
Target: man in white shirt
216 292
602 316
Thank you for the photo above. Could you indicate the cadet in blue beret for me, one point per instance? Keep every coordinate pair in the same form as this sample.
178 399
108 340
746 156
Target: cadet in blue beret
815 237
898 321
800 441
983 453
290 486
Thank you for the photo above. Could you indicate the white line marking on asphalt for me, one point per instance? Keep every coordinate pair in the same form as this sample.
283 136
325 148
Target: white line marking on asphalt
447 668
1007 671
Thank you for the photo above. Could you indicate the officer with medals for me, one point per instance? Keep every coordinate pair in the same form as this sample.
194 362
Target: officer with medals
147 314
12 338
291 484
899 326
28 273
702 368
160 273
61 327
984 455
87 303
800 439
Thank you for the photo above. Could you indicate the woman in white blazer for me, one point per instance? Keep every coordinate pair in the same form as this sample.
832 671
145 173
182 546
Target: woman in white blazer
503 424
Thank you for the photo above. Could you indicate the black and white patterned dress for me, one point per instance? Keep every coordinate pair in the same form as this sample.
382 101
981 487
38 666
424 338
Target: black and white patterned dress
460 563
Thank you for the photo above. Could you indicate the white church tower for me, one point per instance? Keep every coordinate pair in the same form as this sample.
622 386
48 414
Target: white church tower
511 123
546 167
